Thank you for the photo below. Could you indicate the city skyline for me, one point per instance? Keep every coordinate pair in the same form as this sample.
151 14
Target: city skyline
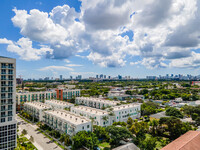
80 42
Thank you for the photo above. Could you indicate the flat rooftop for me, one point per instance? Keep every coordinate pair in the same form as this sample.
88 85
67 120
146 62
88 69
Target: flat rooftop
97 100
39 92
68 116
58 102
38 105
120 107
90 110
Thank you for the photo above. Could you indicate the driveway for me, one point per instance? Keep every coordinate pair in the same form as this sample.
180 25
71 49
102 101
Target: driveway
41 142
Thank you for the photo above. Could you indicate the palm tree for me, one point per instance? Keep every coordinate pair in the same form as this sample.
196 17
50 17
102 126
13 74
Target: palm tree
31 139
92 120
105 118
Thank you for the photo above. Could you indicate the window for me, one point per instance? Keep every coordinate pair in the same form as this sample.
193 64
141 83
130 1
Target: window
83 127
9 118
3 120
88 126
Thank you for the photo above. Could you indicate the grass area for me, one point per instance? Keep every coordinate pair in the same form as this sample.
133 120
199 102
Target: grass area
51 138
23 143
103 145
24 119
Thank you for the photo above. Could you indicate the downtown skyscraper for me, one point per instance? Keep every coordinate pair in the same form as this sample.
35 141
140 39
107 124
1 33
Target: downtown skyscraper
8 123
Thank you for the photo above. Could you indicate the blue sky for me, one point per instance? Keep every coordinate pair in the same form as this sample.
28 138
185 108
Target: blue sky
136 38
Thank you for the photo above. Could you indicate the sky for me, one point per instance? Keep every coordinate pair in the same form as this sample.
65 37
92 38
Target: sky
136 38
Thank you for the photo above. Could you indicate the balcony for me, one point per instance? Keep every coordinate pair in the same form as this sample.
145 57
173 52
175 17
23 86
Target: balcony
7 67
7 85
6 79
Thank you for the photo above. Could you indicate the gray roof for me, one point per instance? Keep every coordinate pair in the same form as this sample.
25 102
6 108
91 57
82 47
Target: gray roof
159 115
129 146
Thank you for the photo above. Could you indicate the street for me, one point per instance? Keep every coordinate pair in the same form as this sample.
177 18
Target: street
40 141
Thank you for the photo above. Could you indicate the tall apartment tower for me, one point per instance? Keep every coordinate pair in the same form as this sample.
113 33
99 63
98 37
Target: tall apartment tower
8 123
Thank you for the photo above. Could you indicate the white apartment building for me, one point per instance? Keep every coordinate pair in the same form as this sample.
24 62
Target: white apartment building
8 123
36 109
95 102
100 117
61 94
123 112
59 104
66 122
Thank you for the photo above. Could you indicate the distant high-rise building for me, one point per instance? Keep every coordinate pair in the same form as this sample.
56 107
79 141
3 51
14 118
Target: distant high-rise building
104 76
97 76
101 76
119 77
79 77
61 77
8 123
71 77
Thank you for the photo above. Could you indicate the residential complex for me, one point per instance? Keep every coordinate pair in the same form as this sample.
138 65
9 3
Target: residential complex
59 104
33 96
8 124
100 117
36 109
66 122
64 94
61 94
123 112
95 102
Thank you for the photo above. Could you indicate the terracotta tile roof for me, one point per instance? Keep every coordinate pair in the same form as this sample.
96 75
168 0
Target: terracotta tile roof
188 141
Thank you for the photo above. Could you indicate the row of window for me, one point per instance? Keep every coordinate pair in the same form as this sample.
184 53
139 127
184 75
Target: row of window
4 119
3 71
8 127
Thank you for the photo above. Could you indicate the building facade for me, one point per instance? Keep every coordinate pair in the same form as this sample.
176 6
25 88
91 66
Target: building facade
8 123
23 97
66 122
123 112
95 102
36 109
99 117
61 94
65 94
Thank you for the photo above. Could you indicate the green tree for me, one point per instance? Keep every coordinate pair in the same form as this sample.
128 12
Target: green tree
101 133
129 122
148 144
83 138
171 111
24 132
117 134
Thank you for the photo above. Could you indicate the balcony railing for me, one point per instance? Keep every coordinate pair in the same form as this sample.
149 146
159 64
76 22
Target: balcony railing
7 67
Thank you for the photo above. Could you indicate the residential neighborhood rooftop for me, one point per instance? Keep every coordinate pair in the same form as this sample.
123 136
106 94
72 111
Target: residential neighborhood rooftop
68 116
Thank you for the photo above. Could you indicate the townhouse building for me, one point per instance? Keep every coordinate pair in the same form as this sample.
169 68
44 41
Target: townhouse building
98 116
36 109
66 122
95 102
59 104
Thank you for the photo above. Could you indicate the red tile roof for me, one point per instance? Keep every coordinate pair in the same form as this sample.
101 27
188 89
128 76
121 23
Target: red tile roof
188 141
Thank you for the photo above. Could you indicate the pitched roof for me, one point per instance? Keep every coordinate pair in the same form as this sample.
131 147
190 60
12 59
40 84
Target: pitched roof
129 146
188 141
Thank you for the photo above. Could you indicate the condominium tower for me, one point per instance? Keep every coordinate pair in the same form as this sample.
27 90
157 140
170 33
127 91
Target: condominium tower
8 124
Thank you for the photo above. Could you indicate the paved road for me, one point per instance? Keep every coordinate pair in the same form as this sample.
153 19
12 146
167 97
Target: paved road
40 141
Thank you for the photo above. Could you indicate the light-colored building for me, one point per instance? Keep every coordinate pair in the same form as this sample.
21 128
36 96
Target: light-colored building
123 112
23 97
95 102
59 104
36 109
66 122
100 117
8 123
65 94
61 94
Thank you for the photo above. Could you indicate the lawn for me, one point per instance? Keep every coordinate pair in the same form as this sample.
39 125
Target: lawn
103 145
